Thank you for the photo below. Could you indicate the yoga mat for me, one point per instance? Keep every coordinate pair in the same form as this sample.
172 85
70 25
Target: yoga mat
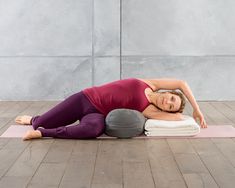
212 131
16 131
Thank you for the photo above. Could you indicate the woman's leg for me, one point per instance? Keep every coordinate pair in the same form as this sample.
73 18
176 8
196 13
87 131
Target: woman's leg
65 113
91 126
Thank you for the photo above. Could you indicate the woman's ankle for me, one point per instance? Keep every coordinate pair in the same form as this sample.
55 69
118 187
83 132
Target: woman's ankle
31 121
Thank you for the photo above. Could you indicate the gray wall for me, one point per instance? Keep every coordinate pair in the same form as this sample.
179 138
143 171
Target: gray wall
50 49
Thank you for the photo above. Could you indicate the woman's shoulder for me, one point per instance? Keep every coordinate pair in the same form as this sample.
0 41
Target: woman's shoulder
148 82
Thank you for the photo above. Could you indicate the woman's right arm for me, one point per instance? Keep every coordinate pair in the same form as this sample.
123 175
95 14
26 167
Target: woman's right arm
151 112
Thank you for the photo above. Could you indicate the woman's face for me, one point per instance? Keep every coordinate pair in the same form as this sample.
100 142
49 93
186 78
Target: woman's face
168 102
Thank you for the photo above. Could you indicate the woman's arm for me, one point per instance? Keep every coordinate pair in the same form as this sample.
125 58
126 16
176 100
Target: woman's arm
189 94
151 112
164 83
172 84
196 110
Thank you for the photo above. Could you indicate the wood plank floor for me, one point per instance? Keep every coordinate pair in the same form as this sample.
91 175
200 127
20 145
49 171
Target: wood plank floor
117 163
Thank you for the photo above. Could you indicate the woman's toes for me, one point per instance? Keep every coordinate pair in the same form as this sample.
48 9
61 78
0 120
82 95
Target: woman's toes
18 120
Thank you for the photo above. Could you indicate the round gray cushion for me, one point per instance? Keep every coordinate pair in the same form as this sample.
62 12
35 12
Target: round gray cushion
124 123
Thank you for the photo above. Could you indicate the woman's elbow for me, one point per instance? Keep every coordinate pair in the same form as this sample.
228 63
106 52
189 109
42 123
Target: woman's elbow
183 84
179 116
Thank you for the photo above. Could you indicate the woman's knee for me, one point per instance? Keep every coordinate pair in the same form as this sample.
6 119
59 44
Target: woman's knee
96 129
99 129
95 123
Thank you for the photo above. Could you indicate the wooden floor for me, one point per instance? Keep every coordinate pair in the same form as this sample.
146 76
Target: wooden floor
129 163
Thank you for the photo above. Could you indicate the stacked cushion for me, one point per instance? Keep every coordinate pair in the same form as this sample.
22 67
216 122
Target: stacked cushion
186 127
127 123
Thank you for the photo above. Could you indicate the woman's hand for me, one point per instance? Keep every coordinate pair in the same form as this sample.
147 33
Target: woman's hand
198 115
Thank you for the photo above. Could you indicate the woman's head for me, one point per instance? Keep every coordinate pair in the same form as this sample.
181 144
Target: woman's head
171 101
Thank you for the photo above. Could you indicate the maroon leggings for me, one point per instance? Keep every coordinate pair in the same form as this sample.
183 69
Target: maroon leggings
76 107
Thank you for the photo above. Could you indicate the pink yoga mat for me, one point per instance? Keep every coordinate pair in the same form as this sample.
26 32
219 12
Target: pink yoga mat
212 131
16 131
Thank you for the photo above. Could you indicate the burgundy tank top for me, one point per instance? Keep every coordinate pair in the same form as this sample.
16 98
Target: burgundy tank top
126 93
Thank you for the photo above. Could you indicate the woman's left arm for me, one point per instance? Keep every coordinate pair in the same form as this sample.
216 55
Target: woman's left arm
189 94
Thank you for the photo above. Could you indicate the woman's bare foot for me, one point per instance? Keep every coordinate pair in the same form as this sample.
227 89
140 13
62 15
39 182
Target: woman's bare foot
23 120
32 134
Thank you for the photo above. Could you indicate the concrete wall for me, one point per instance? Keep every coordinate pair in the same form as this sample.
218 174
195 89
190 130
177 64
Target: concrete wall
50 49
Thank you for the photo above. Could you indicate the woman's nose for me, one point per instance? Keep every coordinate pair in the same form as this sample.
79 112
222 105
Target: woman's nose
168 101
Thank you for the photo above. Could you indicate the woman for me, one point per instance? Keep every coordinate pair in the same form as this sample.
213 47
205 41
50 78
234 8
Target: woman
91 106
